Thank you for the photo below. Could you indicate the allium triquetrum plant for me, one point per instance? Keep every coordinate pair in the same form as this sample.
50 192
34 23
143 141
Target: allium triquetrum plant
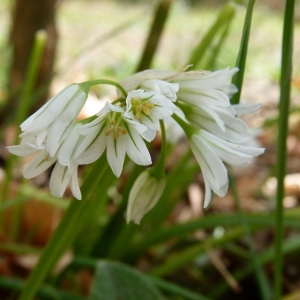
119 166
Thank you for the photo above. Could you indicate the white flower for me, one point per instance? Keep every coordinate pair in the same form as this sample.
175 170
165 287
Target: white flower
165 88
144 194
51 123
65 169
204 81
205 89
220 121
115 133
134 82
210 152
148 108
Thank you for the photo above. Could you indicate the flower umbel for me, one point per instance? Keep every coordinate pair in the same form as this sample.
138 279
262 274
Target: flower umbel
216 135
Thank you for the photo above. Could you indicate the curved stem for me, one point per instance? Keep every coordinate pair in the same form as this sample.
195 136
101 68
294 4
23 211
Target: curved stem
86 85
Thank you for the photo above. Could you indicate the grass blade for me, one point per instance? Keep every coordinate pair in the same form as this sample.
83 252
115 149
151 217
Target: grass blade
285 86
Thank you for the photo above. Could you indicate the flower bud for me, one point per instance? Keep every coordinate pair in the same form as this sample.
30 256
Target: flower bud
144 194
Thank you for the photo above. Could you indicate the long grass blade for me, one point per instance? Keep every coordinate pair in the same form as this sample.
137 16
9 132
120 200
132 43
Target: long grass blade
285 87
241 59
155 34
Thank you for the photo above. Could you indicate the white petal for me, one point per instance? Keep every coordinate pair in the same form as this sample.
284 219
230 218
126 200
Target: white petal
225 152
140 128
211 165
59 180
38 165
208 194
58 130
150 121
208 97
22 150
137 150
236 130
168 89
134 81
198 79
93 126
149 134
115 153
75 185
108 107
90 148
246 108
49 112
252 151
67 149
206 115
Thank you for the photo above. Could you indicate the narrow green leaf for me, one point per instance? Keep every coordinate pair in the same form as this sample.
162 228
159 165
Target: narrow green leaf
238 78
285 88
225 16
156 30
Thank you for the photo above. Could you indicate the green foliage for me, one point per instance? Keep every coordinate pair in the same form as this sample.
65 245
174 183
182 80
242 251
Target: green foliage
116 281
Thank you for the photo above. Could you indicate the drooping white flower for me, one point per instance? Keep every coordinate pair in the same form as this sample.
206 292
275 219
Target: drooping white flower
221 122
144 194
202 81
213 169
148 108
115 133
51 123
210 152
65 170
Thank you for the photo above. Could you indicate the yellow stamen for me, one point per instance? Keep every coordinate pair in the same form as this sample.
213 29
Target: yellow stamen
108 132
146 110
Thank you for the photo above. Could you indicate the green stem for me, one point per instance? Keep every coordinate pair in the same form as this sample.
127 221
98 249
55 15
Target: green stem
237 80
187 128
286 70
155 34
86 85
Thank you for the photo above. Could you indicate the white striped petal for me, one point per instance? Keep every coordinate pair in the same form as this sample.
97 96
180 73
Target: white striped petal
38 165
137 150
59 180
115 153
210 164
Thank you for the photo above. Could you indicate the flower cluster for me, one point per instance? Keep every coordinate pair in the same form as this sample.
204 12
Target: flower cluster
215 133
